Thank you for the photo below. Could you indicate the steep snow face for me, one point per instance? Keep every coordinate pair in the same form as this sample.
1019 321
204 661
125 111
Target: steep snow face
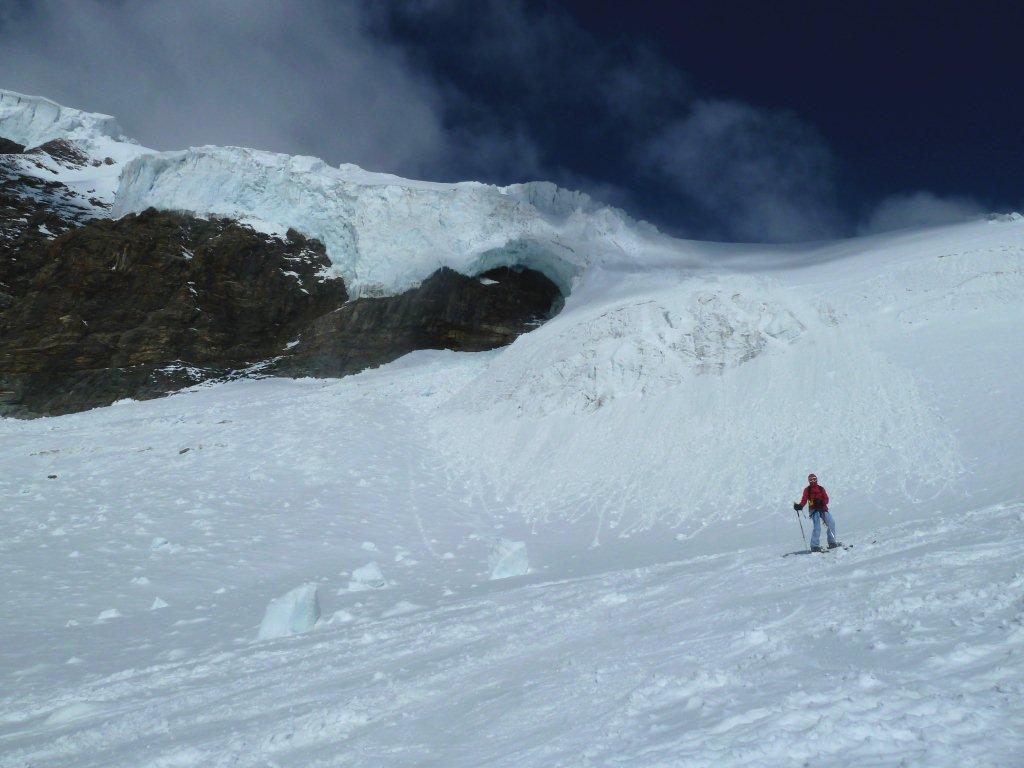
385 234
863 361
33 120
667 330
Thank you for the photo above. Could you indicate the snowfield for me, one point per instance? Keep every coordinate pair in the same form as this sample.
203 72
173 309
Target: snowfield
643 651
329 572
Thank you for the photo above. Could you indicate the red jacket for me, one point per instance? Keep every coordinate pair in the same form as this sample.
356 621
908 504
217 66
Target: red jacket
818 497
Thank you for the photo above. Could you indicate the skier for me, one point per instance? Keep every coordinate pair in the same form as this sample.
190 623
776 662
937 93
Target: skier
818 499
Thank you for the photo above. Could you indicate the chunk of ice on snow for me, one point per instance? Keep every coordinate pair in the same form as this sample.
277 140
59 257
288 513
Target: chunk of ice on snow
508 558
291 614
157 604
402 606
110 613
367 577
77 710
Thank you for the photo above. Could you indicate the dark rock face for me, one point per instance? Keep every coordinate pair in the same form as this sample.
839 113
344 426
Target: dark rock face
147 303
63 151
153 302
8 147
447 311
33 210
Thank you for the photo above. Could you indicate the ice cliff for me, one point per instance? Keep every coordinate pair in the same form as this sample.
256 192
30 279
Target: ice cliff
33 120
385 234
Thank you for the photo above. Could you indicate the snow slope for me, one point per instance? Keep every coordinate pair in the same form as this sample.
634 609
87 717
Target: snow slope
138 579
722 381
646 445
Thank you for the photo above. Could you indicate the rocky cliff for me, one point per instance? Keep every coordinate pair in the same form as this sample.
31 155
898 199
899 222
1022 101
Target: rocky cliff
93 310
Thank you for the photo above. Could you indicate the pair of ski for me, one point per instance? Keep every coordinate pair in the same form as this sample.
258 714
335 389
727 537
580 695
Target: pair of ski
819 551
810 551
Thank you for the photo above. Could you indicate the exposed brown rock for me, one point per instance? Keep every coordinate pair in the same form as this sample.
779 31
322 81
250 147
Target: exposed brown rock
447 311
157 301
63 151
153 302
8 147
32 211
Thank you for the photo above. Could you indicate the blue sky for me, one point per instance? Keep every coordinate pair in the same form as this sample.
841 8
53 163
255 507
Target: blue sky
726 120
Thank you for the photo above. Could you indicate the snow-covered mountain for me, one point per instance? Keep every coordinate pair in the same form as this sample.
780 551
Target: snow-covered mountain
383 233
645 444
33 122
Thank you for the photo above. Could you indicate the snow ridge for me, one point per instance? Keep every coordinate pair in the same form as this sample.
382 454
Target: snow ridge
33 120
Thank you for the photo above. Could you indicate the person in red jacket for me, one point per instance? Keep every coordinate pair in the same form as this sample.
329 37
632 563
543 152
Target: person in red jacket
817 497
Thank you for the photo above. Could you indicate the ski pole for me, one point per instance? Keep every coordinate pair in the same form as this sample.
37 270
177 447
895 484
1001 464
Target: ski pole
802 534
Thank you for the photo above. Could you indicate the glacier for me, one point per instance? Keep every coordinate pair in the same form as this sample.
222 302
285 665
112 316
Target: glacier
33 120
384 234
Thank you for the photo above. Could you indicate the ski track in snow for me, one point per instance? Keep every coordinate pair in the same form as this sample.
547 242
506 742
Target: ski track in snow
902 647
645 444
659 625
907 647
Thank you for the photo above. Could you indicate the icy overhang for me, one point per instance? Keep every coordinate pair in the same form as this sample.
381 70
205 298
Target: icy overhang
385 234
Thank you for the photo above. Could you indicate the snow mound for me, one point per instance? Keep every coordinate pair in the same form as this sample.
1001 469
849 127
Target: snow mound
367 577
636 346
384 234
292 614
507 559
683 404
401 608
160 544
33 120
